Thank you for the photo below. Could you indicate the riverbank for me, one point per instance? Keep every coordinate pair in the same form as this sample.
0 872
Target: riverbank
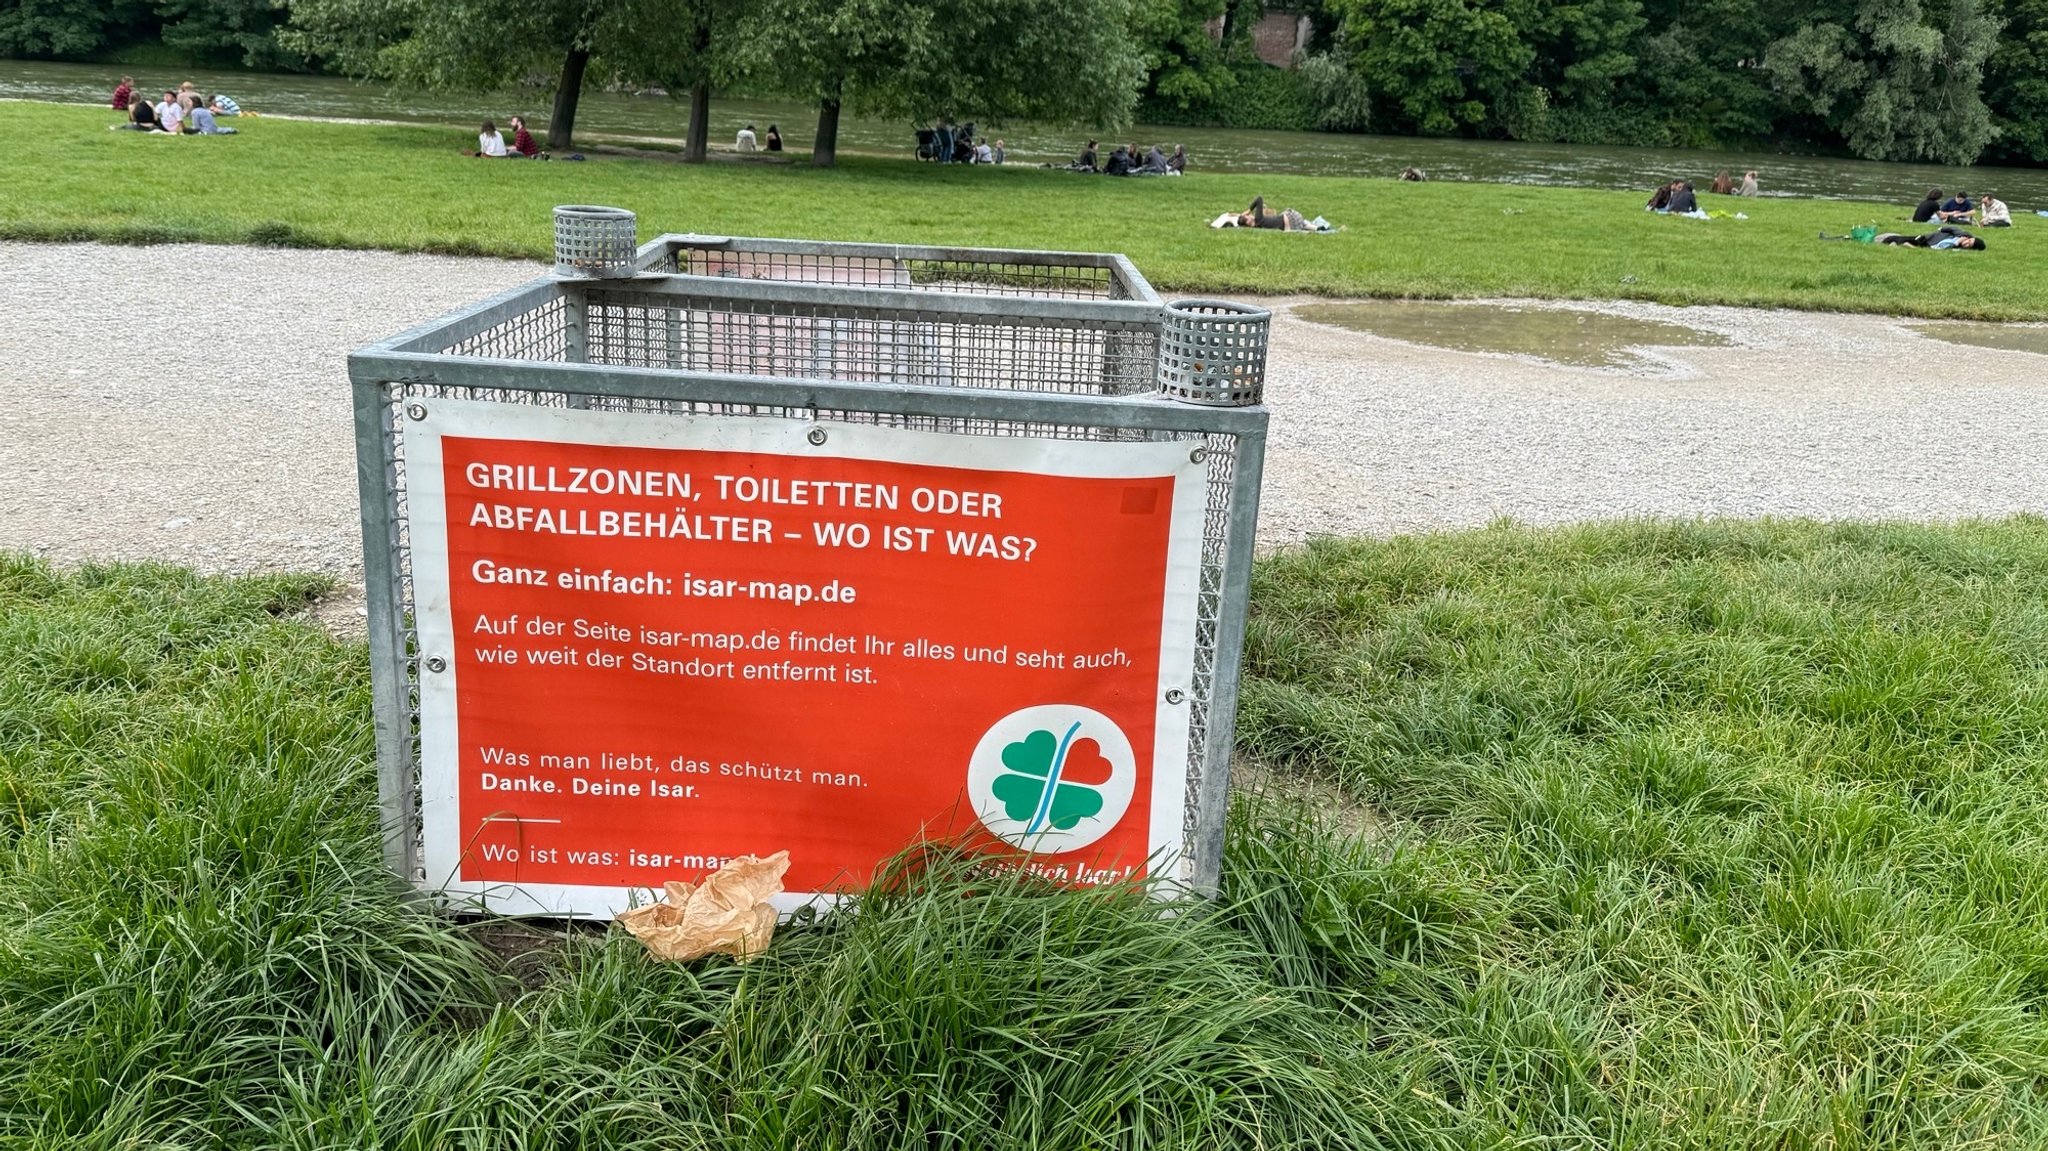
409 189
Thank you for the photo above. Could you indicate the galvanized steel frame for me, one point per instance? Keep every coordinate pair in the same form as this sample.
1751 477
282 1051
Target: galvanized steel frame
387 374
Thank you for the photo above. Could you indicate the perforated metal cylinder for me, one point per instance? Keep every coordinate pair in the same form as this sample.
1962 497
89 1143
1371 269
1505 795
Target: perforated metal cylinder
1213 352
593 242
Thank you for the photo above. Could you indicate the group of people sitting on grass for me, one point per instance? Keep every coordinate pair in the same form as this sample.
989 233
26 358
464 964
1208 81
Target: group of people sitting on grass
1124 160
182 111
945 144
1987 211
490 143
1678 198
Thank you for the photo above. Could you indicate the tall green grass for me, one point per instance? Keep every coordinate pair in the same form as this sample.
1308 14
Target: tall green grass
408 188
199 948
1679 836
1724 835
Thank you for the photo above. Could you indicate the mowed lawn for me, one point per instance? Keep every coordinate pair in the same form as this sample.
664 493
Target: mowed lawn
410 189
1701 836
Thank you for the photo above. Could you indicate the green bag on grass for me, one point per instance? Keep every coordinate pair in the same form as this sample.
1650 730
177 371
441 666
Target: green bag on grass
1864 233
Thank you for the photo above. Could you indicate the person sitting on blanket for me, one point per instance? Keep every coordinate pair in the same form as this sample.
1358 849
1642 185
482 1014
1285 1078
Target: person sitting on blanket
1992 212
1929 206
1683 200
1119 162
1949 238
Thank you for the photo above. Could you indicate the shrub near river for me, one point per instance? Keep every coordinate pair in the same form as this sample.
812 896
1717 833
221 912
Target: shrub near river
411 189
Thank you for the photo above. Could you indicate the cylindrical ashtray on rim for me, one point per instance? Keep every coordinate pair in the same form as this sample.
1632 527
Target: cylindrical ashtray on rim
1213 352
595 243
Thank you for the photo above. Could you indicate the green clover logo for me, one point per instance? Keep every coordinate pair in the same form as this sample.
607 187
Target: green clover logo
1051 781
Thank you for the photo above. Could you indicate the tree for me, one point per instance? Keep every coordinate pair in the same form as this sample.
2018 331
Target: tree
2016 82
987 60
1896 82
65 29
1444 66
824 52
1582 46
476 45
238 33
1184 65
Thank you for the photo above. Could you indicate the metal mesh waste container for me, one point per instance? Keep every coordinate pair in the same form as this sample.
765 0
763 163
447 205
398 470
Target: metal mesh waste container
991 344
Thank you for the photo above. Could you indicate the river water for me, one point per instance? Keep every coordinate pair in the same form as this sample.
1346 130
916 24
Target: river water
656 117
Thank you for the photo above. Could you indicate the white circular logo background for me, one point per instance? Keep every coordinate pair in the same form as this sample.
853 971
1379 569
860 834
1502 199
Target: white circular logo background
1052 778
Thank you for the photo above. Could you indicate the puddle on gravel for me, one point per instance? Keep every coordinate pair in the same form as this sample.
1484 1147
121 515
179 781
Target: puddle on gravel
1561 336
2004 337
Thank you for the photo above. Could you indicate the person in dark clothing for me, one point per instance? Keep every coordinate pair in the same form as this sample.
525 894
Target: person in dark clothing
1948 238
523 143
1957 205
945 141
1682 198
124 93
1155 162
1927 207
1178 162
774 139
1119 162
1085 162
1660 200
141 116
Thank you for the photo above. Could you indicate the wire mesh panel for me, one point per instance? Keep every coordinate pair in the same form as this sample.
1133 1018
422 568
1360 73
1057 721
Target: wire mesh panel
830 353
671 325
1048 275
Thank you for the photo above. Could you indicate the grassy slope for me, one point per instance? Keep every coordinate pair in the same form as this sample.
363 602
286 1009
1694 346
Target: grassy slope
407 188
1701 836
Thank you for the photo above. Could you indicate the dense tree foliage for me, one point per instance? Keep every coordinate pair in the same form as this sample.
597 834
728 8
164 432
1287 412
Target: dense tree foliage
1944 80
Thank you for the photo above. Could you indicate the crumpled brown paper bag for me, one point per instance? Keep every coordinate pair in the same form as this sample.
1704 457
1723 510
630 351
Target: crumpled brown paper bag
728 913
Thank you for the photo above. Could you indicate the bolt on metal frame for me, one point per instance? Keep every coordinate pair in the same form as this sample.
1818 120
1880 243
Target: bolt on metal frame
969 341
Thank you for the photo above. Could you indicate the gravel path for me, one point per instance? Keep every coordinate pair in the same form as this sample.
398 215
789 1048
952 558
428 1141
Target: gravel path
224 441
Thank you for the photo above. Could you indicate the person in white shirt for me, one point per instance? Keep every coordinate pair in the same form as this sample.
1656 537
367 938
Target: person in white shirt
489 142
745 142
170 114
1992 212
983 154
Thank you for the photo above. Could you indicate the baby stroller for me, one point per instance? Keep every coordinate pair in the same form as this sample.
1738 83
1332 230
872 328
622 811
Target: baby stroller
927 144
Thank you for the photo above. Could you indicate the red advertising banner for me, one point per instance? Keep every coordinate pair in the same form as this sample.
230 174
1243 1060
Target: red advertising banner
666 641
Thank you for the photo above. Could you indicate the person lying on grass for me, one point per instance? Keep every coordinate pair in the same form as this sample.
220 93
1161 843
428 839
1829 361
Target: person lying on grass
1285 220
1947 239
